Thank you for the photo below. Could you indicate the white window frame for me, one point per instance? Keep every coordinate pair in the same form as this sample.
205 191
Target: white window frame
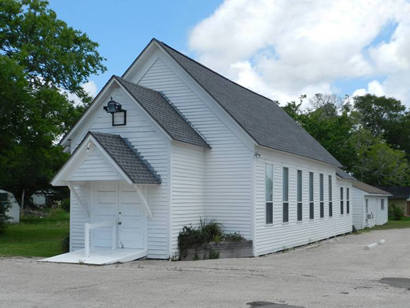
268 203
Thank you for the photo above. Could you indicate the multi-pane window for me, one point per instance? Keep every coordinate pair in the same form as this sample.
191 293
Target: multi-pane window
321 193
269 193
311 198
330 197
299 195
341 200
382 204
285 194
347 200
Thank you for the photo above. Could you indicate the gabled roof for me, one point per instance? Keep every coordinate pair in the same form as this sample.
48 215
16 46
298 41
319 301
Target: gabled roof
344 175
398 192
157 107
166 115
259 116
127 158
119 153
369 189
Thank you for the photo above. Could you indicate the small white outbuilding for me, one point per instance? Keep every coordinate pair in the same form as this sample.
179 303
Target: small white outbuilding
13 211
370 205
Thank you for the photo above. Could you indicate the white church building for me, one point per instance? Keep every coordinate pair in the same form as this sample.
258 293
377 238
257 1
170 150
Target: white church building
171 142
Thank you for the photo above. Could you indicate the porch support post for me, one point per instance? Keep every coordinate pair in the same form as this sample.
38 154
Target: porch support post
87 240
77 196
144 201
114 232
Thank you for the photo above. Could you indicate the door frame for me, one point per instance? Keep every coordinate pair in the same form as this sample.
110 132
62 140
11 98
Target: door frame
93 203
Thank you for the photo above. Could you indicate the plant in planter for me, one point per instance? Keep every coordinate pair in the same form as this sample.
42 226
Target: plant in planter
202 240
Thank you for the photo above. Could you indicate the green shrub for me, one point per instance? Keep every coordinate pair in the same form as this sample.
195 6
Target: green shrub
65 205
187 238
211 231
395 212
213 254
234 237
65 245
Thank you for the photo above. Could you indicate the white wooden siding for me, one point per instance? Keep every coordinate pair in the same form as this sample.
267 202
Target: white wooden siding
358 208
145 136
381 215
78 217
93 168
187 188
228 165
279 235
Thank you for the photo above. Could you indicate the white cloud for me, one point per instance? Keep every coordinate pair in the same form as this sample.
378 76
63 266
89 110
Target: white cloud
286 48
89 87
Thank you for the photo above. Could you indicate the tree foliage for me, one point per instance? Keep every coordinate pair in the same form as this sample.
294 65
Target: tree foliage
41 59
364 134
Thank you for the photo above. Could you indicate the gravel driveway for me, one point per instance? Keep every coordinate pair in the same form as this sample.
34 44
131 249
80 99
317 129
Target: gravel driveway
333 273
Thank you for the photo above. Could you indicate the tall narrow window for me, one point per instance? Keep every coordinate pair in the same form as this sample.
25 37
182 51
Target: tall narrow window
285 194
299 193
341 200
311 198
330 197
269 193
322 199
382 204
347 200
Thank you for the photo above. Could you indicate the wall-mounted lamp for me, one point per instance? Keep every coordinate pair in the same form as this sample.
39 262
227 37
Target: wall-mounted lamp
119 115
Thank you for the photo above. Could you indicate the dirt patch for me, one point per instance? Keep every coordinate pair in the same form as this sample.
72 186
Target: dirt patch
264 304
397 282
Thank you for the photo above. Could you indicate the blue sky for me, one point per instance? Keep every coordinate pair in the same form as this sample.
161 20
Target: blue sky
123 27
280 48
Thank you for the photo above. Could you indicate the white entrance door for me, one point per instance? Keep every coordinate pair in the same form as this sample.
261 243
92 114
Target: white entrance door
118 202
132 219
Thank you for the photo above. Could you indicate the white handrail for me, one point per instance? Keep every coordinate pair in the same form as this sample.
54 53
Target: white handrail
87 233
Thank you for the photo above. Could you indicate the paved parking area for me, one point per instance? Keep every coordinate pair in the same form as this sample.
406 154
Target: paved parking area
334 273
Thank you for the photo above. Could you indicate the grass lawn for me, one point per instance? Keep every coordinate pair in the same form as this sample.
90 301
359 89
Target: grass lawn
391 224
36 236
395 224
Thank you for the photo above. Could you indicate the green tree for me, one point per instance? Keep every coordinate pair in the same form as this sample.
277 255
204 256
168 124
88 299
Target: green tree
329 122
376 162
354 138
41 58
386 118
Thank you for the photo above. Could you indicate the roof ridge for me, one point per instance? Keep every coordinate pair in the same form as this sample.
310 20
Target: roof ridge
141 157
211 70
136 84
102 133
127 84
183 117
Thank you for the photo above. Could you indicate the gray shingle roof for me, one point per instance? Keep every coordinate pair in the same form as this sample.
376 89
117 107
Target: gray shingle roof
344 174
163 113
369 189
259 116
127 158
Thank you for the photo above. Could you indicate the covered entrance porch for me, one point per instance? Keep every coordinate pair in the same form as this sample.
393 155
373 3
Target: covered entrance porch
109 181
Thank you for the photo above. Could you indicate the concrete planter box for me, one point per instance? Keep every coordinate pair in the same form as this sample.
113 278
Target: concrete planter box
221 250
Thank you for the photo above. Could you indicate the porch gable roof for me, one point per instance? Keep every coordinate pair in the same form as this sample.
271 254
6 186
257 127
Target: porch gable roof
125 158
